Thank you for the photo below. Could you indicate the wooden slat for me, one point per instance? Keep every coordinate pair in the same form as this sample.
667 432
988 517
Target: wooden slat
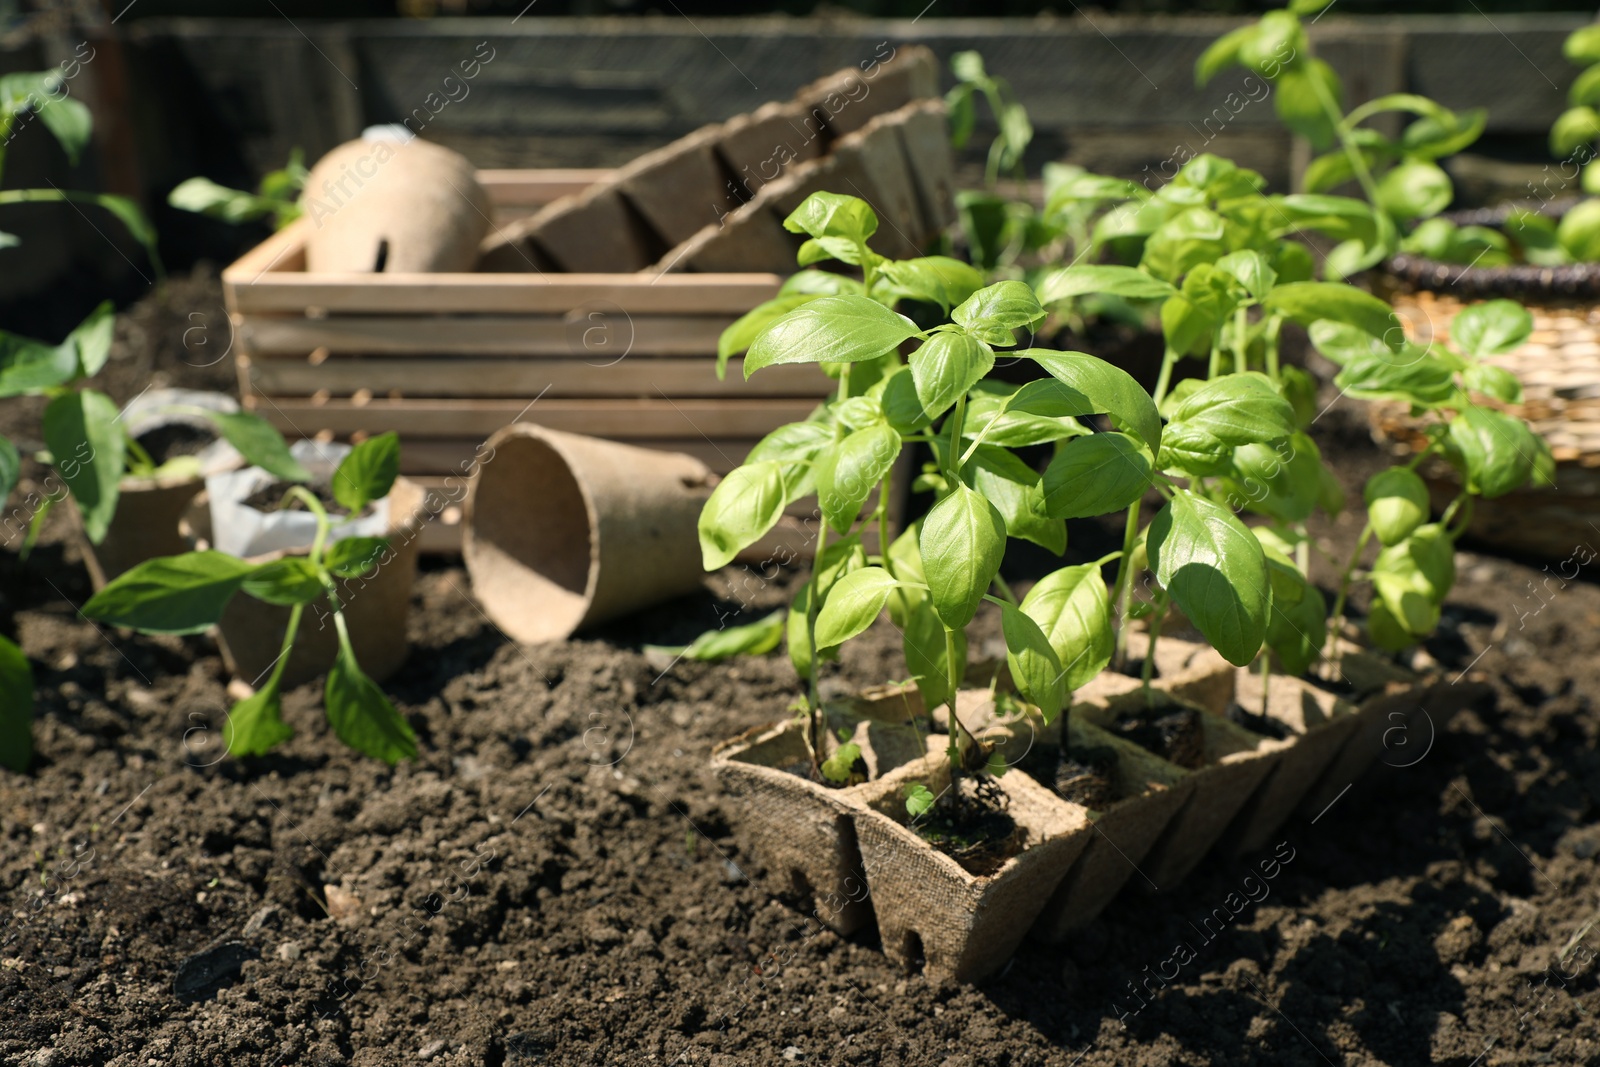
623 419
600 336
251 292
416 377
432 457
529 188
284 251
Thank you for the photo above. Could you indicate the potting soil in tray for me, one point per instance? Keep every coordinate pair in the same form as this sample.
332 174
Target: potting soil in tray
1175 734
270 498
174 439
975 830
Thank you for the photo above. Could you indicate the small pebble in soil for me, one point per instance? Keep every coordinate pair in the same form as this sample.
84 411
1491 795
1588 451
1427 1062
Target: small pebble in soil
431 1049
289 950
732 875
793 1054
211 968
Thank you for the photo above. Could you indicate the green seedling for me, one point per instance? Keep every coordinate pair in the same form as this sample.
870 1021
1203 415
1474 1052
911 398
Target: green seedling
1223 279
187 594
47 96
276 197
1399 176
88 443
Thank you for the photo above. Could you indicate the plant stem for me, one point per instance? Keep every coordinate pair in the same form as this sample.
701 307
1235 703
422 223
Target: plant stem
1005 591
1168 358
143 464
1274 326
1352 152
957 420
1216 360
1147 670
953 749
1266 679
1241 329
1337 615
1123 586
813 693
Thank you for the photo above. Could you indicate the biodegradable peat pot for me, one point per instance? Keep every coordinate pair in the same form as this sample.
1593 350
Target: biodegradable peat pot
1151 792
803 832
386 205
563 531
375 609
150 511
1236 762
964 926
1320 723
146 525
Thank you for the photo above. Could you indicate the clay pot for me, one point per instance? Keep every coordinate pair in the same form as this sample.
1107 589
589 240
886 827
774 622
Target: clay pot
387 206
375 608
562 531
146 525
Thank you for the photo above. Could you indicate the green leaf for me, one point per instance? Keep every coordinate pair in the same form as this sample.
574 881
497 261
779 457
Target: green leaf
205 197
962 540
261 445
820 283
1127 282
1343 343
1493 381
848 470
1238 409
993 312
753 323
925 649
1104 390
86 444
1573 129
255 724
362 716
28 366
1073 609
1299 101
833 215
1215 569
740 511
919 801
1278 480
1397 503
932 280
1015 416
1306 302
897 393
1585 88
1097 475
1221 54
1435 136
1298 630
841 765
946 367
1579 231
90 341
1415 189
1582 46
1416 376
852 604
1033 663
368 472
1252 271
1499 451
1413 577
352 557
1385 631
128 213
1013 488
287 581
10 468
16 707
752 639
1194 236
1191 450
830 329
171 594
1278 42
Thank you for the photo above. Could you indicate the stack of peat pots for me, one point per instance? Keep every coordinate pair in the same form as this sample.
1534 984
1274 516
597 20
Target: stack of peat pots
1559 368
851 850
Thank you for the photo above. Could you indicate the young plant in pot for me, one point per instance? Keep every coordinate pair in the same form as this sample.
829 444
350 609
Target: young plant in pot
190 593
1220 263
129 501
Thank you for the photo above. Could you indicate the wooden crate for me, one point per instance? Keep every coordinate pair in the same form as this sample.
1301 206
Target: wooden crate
446 359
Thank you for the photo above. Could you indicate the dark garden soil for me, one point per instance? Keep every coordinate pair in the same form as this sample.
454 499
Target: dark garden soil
557 880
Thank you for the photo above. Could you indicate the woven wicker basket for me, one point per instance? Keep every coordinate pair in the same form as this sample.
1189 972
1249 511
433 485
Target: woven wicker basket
1559 368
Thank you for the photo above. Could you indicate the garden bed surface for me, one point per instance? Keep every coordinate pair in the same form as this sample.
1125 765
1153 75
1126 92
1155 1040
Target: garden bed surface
554 880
